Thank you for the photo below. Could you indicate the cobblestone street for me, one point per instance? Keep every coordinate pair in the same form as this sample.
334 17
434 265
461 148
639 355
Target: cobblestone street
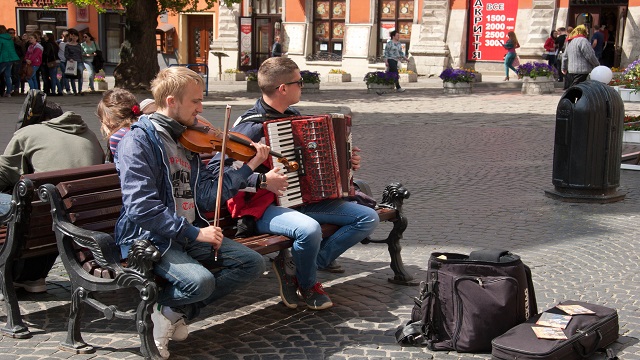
477 167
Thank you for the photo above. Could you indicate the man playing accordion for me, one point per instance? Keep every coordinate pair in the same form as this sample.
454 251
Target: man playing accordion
281 85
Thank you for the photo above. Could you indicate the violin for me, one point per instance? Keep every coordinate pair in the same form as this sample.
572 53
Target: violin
204 138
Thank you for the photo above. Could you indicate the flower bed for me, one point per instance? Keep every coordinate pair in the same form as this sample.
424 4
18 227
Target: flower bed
457 76
537 69
338 75
233 75
380 80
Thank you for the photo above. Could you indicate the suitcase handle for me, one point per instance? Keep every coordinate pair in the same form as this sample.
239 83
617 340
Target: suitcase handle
579 348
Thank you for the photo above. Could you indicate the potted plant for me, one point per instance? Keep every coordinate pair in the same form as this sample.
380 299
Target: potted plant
457 81
252 81
100 81
407 76
631 129
311 81
380 81
233 75
629 83
338 75
538 78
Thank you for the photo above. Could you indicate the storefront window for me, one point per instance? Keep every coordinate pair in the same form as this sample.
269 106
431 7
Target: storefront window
328 27
47 21
114 36
265 7
395 15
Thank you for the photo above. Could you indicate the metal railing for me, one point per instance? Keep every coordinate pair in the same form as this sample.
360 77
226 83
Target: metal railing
206 74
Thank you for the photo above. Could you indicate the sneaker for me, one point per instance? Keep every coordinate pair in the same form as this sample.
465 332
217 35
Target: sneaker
181 330
401 90
334 267
162 330
32 286
288 284
316 298
7 95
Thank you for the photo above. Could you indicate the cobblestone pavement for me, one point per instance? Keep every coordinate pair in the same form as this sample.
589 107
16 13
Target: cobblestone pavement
477 167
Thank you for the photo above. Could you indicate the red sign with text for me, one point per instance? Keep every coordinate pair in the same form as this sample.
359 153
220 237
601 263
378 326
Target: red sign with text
489 23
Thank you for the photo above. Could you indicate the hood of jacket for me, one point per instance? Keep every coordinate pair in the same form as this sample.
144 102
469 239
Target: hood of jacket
69 122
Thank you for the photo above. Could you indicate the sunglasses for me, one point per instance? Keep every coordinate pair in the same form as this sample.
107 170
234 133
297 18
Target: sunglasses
299 82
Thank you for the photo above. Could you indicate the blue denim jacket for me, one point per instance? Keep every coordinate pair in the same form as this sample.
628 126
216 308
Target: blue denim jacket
148 210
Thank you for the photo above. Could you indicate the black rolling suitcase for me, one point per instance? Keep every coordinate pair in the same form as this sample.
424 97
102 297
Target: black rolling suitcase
586 334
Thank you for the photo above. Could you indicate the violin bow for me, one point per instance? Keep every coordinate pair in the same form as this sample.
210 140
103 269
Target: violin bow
216 215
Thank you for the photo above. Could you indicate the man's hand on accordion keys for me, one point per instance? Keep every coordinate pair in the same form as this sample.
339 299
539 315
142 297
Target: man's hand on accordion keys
276 182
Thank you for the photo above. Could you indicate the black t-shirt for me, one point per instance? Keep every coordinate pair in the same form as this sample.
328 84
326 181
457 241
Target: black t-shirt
560 41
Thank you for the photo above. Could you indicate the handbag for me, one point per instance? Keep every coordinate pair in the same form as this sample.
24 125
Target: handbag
516 61
545 56
52 64
467 301
71 69
26 71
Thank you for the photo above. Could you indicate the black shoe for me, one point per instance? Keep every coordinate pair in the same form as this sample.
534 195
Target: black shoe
288 284
316 298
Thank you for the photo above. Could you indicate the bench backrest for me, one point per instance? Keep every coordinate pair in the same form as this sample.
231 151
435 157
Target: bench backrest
35 227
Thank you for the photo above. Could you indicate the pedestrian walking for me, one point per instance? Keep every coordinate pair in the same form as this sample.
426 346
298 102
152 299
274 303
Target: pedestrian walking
393 54
89 48
579 58
511 58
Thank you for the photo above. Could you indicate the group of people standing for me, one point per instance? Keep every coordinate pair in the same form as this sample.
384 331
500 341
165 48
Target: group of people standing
36 56
568 50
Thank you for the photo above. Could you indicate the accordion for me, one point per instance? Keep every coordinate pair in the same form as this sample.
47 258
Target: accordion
322 147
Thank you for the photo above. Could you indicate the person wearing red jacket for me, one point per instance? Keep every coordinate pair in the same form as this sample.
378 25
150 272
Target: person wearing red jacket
33 57
550 49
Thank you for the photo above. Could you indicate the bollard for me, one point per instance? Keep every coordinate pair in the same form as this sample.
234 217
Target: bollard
588 145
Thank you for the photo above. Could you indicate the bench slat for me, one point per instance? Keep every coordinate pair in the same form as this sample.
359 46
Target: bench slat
82 186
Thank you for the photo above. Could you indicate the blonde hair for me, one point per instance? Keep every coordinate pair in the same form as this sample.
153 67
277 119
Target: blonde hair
275 71
117 110
512 37
173 81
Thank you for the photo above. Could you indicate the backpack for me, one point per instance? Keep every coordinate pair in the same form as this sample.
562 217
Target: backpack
33 108
467 301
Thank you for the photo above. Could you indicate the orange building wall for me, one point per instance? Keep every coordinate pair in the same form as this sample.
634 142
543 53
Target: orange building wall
359 12
459 5
634 3
8 18
295 11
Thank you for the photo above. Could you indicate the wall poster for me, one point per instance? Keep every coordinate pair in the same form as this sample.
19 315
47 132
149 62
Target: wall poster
489 23
245 41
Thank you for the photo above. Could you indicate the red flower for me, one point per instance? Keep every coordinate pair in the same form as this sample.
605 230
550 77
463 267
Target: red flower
136 110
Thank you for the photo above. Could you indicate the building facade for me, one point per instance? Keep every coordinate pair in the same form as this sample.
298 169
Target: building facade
321 35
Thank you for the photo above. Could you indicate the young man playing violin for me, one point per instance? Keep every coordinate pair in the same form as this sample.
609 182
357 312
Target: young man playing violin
281 84
165 190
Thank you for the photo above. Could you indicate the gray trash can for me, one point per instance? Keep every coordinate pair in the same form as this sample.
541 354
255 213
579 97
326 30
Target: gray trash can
588 144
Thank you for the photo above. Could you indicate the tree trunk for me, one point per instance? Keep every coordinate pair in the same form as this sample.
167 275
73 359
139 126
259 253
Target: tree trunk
138 54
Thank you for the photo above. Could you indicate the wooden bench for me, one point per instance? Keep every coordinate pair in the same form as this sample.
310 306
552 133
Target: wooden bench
25 232
84 213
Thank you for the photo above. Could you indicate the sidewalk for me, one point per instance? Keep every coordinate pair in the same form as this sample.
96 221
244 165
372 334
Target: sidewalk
476 165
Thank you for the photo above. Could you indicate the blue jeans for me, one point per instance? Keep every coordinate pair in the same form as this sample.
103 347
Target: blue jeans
64 82
508 63
54 84
192 287
33 81
6 68
92 74
310 251
73 81
5 203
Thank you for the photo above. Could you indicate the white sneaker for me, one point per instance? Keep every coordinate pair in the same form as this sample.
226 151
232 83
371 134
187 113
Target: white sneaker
32 286
180 330
162 330
401 90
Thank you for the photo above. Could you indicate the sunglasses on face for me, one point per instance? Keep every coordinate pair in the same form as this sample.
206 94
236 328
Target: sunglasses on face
299 82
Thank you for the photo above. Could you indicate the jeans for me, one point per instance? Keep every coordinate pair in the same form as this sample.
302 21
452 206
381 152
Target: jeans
192 286
33 80
393 68
64 82
92 74
5 203
310 251
54 83
508 63
73 81
5 68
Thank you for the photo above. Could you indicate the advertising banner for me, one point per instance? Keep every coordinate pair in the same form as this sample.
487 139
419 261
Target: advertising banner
245 41
489 23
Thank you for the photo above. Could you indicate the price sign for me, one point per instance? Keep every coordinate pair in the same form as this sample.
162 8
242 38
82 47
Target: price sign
489 23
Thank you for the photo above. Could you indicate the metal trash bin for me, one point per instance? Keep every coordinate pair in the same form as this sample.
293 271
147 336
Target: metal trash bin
588 144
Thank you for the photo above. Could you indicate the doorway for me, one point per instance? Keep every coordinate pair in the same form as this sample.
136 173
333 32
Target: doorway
200 36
